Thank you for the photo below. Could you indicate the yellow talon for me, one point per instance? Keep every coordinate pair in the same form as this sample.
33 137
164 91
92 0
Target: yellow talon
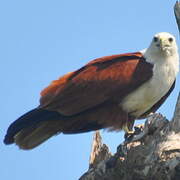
127 131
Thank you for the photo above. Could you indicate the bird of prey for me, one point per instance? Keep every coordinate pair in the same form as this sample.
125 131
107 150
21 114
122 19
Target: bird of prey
110 92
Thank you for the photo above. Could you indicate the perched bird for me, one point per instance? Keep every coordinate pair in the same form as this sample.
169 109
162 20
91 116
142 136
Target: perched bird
108 92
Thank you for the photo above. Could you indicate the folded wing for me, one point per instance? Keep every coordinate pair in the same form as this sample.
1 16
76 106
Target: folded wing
104 79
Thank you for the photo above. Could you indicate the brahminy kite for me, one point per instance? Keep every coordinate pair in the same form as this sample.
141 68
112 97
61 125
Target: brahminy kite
107 93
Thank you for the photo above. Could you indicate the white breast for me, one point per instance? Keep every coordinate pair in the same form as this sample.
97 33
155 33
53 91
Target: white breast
143 98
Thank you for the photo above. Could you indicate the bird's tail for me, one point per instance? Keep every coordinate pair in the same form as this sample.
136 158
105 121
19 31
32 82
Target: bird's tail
34 128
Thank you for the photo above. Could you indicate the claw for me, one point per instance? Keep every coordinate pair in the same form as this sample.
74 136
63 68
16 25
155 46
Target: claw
129 135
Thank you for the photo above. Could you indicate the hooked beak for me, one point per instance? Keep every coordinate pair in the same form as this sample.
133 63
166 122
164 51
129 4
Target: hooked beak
163 44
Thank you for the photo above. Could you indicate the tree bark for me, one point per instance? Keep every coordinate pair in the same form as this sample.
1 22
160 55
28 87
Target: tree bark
153 153
177 13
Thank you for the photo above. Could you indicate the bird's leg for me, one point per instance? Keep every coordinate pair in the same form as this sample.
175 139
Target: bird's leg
128 126
127 130
129 134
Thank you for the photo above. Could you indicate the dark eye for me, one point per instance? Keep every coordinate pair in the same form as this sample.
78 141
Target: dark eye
155 39
170 39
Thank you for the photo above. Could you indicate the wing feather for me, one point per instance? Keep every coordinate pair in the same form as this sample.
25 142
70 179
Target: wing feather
104 79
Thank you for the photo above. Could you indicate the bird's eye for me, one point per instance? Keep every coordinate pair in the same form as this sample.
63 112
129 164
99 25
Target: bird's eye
155 39
170 39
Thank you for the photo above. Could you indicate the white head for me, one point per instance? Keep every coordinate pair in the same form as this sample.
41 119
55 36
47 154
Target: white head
163 50
163 45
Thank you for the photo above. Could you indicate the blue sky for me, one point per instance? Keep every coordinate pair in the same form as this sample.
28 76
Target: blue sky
42 40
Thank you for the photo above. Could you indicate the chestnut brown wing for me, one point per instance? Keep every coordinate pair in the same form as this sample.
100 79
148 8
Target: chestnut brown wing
105 79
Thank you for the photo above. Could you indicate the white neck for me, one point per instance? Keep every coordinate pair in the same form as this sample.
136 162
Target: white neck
163 59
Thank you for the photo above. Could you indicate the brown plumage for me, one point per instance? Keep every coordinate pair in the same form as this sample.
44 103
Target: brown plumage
85 100
105 79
